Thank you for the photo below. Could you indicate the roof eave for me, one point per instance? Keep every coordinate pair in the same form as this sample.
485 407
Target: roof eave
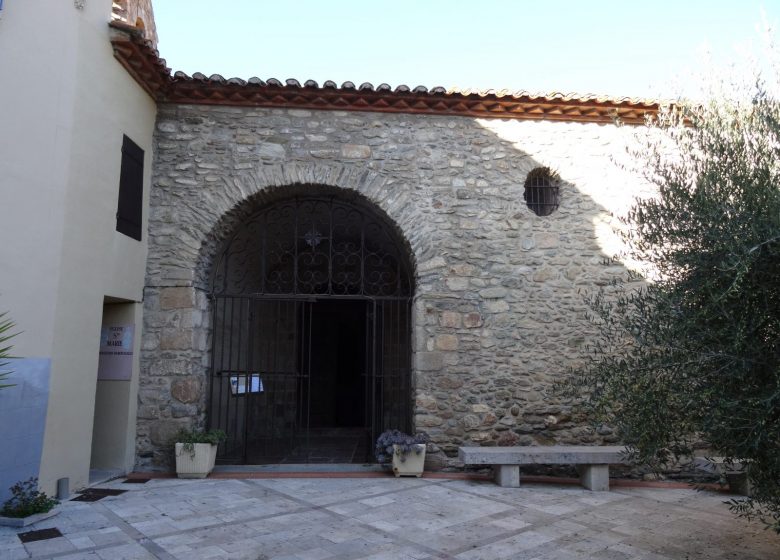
140 59
144 64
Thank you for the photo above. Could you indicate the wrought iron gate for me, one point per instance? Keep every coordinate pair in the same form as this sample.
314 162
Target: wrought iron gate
311 334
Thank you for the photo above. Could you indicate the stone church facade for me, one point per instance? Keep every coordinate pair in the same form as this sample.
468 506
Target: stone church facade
497 313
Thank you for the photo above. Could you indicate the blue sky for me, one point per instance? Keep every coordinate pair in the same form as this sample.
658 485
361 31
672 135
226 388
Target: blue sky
618 48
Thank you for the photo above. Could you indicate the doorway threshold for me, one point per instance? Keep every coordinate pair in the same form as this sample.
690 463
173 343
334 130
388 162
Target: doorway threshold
302 468
99 476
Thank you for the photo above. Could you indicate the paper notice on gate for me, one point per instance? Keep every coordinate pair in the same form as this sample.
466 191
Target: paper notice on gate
257 384
239 385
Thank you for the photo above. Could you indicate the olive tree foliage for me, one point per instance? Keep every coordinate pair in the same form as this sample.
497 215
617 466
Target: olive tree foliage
693 355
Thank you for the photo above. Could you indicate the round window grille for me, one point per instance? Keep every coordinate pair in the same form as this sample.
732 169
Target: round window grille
541 191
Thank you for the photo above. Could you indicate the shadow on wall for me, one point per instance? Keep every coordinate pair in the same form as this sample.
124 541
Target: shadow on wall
498 315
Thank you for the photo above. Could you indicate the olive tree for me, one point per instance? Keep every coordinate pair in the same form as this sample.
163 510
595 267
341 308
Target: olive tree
694 354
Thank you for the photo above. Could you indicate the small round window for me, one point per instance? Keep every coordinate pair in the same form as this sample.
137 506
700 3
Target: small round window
541 191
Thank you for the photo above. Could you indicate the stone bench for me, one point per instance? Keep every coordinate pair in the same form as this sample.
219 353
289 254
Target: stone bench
592 461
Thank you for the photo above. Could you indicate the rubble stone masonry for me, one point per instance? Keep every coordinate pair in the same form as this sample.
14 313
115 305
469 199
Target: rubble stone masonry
499 314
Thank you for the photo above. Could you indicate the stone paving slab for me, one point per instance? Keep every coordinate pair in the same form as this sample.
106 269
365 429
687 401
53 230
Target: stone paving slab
388 518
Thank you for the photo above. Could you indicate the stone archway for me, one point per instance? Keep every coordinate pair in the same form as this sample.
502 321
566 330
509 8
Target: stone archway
311 331
185 237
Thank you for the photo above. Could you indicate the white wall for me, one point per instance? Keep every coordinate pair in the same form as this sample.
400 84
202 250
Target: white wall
61 127
35 119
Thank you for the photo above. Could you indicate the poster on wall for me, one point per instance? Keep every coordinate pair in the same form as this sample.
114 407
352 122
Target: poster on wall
116 352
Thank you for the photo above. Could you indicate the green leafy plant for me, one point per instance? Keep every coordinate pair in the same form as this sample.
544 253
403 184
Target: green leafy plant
692 356
5 335
26 500
190 437
404 444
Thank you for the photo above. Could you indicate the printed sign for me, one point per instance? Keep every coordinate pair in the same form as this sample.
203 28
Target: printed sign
116 352
238 384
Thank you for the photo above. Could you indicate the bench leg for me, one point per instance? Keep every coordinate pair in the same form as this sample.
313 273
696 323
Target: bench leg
594 477
739 483
507 476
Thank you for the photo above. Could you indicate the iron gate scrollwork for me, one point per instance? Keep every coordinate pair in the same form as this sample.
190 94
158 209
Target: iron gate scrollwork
311 334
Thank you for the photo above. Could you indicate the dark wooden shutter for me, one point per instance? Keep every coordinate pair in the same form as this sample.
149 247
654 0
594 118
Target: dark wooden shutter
129 212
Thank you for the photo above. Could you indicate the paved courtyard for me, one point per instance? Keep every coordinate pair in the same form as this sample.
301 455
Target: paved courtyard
387 518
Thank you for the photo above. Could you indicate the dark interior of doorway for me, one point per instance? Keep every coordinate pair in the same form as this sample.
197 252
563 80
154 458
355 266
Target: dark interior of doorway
336 355
338 363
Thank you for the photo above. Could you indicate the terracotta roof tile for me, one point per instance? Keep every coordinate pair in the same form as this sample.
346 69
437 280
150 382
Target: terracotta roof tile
143 62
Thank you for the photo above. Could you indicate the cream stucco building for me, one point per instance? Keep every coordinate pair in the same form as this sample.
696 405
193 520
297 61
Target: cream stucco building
64 267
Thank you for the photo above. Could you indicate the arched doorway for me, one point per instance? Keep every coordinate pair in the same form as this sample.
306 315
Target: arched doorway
311 333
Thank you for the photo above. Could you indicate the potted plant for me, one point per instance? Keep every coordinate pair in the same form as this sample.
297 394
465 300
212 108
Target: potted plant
406 452
196 452
27 505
